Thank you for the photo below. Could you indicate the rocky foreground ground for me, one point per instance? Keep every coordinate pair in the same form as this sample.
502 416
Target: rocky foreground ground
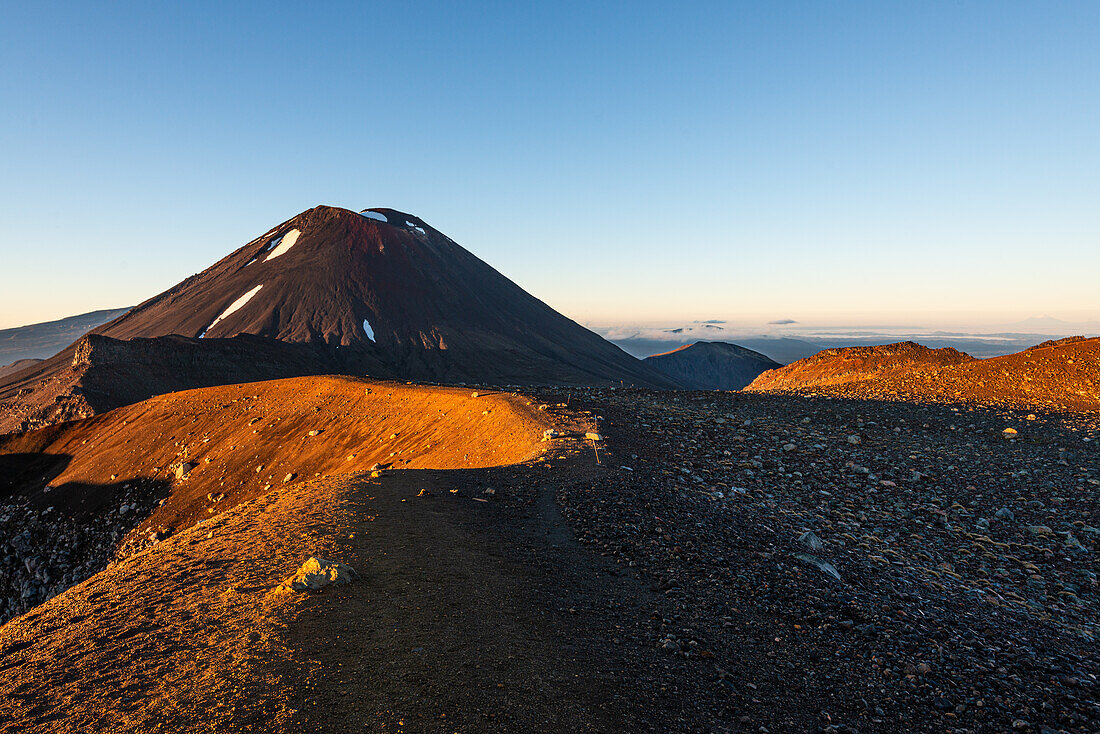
733 562
861 566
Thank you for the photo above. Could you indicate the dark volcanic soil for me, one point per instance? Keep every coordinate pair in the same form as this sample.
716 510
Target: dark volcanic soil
968 598
482 613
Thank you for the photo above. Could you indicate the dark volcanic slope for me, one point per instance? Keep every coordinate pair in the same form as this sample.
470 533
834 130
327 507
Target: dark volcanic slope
38 341
383 287
1059 375
379 293
712 365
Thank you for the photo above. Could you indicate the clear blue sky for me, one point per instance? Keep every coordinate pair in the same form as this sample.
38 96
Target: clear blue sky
625 163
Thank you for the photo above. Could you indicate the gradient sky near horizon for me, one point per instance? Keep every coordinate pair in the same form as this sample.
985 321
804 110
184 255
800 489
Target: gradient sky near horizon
633 161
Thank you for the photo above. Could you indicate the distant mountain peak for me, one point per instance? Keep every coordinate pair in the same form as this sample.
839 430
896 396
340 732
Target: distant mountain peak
707 365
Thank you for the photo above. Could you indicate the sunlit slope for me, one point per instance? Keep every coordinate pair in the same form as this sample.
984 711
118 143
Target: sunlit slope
181 637
209 449
1057 375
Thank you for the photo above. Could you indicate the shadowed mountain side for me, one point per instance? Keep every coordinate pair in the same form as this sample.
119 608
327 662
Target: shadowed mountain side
780 349
21 469
712 365
49 550
98 374
1056 375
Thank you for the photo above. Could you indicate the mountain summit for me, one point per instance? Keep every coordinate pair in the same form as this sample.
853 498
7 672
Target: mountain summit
387 294
378 292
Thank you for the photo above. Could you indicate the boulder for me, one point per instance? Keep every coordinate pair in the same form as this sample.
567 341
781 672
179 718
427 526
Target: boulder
317 573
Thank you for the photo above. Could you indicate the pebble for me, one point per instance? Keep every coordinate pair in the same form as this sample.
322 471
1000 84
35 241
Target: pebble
811 541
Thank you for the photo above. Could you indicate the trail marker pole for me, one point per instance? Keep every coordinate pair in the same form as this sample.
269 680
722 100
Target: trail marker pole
595 432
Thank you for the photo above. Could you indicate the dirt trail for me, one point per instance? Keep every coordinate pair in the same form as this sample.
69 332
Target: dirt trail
469 616
477 609
474 616
492 616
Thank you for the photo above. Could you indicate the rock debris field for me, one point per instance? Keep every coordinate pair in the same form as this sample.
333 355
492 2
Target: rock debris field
967 557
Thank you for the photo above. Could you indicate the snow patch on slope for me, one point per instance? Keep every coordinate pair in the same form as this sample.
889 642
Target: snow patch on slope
419 229
235 306
374 215
282 244
369 331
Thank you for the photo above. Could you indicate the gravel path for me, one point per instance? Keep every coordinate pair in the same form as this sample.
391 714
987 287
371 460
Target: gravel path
479 611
